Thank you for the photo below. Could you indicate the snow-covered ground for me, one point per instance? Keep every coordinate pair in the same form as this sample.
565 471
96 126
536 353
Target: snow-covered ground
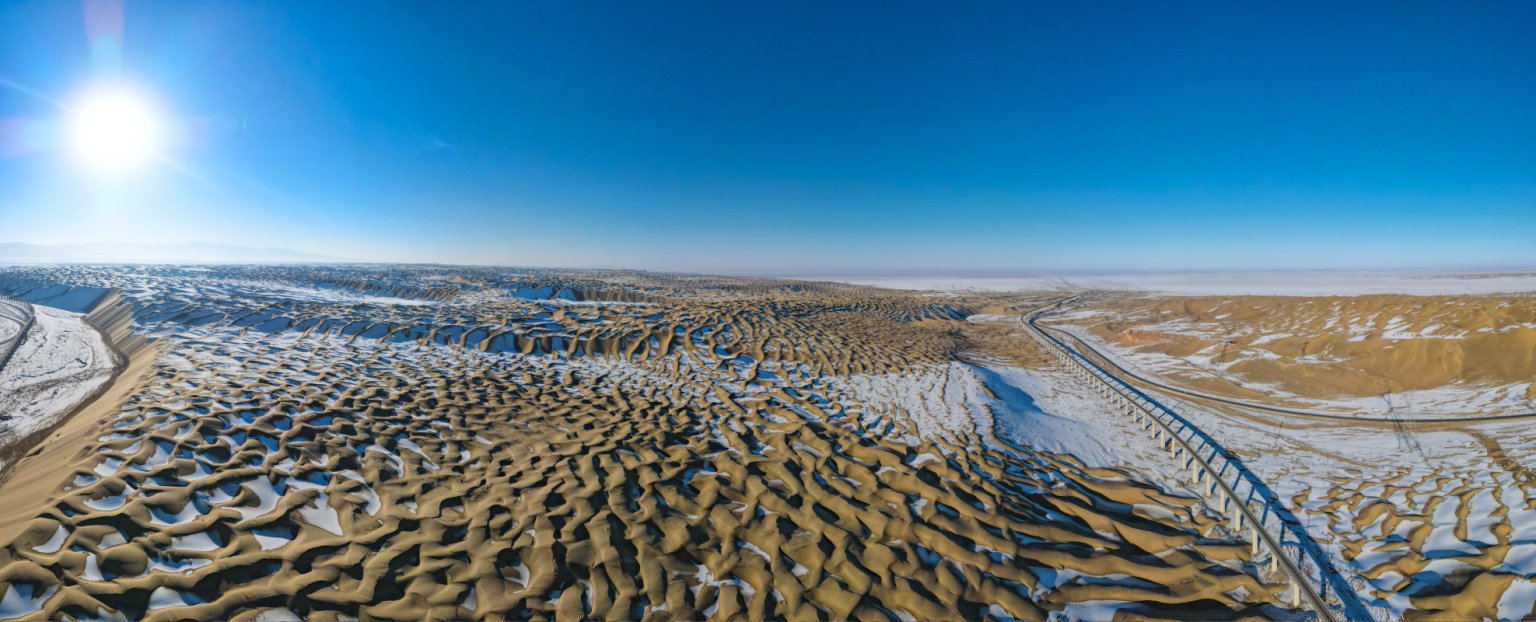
61 362
1403 509
9 331
1456 499
1071 419
1040 411
1314 283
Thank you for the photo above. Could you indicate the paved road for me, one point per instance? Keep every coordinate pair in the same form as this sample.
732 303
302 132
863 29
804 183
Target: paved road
1330 595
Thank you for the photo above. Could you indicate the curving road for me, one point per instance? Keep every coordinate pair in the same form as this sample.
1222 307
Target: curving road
1110 365
1329 594
15 320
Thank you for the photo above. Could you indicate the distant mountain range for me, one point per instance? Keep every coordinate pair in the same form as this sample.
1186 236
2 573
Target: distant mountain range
133 252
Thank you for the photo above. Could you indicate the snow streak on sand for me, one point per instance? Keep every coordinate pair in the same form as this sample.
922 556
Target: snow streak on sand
1437 521
1445 524
709 448
1378 356
959 401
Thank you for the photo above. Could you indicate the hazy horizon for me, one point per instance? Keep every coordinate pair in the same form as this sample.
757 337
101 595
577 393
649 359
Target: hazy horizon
783 139
202 253
895 310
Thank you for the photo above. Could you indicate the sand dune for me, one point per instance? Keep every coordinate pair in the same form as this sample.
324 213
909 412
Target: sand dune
1437 519
462 443
338 443
1419 355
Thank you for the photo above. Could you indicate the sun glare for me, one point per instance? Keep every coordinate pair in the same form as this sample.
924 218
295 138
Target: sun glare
114 131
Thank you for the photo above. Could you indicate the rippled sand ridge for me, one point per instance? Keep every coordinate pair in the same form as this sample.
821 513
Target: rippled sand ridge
489 444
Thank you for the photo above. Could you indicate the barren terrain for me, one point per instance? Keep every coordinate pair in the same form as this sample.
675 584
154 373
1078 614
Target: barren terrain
340 443
1363 355
399 443
1435 512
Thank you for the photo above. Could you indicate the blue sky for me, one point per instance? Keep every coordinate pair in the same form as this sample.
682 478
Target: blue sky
854 137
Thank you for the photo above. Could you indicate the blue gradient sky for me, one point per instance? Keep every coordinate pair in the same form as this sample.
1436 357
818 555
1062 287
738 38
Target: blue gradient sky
860 137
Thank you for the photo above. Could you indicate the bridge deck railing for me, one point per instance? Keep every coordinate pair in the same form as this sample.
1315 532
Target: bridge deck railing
18 313
1222 476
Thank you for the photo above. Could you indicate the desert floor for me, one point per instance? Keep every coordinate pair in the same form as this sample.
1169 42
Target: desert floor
1438 516
437 442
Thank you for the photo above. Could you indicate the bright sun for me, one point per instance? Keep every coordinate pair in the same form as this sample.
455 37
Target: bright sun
114 131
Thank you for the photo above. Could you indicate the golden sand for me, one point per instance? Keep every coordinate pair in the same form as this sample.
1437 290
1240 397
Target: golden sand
1439 518
698 458
1310 351
131 354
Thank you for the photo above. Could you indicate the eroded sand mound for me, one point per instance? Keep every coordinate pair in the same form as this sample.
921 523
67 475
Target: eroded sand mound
1426 354
1437 520
611 446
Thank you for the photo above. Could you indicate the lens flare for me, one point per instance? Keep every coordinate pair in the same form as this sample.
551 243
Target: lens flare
114 131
